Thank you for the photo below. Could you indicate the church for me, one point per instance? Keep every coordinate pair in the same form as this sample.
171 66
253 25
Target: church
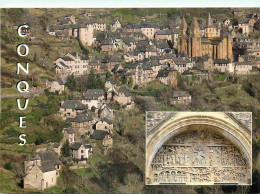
191 42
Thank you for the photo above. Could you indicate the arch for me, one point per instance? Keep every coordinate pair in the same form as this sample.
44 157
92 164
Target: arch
225 124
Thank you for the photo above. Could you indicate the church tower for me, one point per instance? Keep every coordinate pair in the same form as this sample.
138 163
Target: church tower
210 29
194 43
182 38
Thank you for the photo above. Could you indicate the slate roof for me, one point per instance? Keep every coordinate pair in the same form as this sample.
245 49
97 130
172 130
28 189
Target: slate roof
73 104
221 61
66 58
163 73
181 61
112 58
69 130
98 135
107 121
112 81
124 90
180 94
93 94
163 32
81 118
77 145
242 63
62 81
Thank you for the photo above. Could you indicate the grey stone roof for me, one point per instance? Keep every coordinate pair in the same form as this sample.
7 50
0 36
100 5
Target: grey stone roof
73 104
112 81
181 60
242 63
107 121
221 61
69 130
62 81
77 145
163 73
163 32
81 118
124 90
93 94
66 58
98 135
113 58
180 94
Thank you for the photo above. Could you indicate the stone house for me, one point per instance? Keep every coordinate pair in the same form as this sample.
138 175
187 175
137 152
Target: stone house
180 97
105 125
223 65
243 68
58 85
68 135
95 65
124 97
111 61
108 46
168 77
110 83
71 63
71 17
115 24
71 108
133 56
243 25
41 172
182 64
57 148
133 27
163 35
128 43
106 112
81 152
148 29
83 123
93 98
104 136
99 25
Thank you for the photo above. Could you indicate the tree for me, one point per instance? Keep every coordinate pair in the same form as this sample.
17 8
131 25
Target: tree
8 166
71 82
130 83
66 150
108 75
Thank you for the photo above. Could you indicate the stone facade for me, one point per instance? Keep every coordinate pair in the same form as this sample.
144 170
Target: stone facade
198 148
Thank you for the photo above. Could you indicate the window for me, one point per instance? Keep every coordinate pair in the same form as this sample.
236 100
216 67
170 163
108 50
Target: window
82 151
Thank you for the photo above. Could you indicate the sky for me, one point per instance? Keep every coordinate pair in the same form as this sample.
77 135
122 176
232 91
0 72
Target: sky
125 3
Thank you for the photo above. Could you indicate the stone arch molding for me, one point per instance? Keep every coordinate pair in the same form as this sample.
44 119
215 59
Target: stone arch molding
225 123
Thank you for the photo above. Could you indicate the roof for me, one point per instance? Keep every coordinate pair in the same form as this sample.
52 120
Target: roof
107 121
77 145
124 90
62 80
112 81
80 118
163 32
113 58
163 73
243 63
180 93
221 61
93 94
73 104
98 135
69 130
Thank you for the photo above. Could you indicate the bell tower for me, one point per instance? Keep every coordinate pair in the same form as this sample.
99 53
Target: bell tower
194 43
182 39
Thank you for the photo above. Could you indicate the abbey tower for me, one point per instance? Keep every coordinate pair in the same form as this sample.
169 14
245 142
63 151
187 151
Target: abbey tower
86 35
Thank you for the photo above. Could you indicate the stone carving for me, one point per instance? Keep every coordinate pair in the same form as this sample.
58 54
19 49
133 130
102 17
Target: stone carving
199 157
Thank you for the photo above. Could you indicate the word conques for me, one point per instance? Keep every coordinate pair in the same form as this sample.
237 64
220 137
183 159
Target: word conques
22 86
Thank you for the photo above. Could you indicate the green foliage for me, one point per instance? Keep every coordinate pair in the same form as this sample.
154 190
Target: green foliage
11 132
108 75
71 82
130 82
8 166
94 81
66 150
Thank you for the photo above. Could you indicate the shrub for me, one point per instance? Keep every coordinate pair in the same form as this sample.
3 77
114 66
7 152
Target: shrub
8 166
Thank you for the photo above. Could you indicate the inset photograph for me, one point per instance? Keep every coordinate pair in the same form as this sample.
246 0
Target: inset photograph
199 148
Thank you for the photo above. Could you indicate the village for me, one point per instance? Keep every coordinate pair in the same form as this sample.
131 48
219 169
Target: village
131 55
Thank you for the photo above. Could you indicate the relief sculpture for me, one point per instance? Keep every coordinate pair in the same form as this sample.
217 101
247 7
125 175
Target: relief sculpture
199 157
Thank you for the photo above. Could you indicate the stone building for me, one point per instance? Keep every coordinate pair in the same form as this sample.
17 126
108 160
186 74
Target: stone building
71 63
68 135
41 172
243 68
115 24
58 85
71 108
223 65
191 42
106 138
105 125
81 152
124 97
180 97
86 35
93 98
168 77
